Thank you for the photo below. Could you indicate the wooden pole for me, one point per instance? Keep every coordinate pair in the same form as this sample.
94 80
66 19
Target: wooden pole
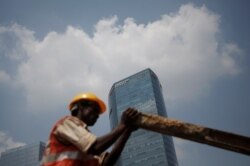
212 137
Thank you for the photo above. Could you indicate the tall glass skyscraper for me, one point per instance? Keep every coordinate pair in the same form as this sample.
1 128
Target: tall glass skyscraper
28 155
143 92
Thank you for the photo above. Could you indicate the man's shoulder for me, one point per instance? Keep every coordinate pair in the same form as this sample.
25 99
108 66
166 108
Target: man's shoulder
75 120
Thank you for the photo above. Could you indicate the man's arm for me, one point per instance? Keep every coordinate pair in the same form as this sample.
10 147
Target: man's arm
104 142
118 147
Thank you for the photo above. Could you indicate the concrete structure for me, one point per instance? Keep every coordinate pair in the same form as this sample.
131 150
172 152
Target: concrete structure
28 155
142 91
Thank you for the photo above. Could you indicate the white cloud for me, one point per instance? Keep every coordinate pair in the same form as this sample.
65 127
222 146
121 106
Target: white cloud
7 142
4 77
182 48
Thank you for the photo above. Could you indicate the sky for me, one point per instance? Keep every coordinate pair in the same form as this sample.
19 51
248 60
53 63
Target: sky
53 50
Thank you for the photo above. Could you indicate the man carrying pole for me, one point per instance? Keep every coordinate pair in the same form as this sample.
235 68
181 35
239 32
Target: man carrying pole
72 144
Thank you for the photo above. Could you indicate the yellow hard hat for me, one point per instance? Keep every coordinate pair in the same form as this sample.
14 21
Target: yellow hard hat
88 97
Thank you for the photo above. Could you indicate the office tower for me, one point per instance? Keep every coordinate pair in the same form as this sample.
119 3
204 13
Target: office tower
28 155
143 92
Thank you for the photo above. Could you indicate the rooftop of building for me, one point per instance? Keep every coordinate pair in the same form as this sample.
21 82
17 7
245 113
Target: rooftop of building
7 151
131 76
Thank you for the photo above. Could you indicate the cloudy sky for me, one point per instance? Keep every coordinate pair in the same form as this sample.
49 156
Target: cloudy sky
52 50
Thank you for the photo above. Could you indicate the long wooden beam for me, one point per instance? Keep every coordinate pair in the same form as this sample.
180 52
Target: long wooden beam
213 137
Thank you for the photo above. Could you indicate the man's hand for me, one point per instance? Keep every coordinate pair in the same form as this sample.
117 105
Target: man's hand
128 118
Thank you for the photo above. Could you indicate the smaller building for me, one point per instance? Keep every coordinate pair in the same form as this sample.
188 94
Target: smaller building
28 155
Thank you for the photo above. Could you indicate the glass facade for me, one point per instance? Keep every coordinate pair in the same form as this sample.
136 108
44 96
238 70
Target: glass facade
28 155
143 92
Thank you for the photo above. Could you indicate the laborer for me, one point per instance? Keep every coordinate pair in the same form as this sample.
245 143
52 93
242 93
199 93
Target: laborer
72 144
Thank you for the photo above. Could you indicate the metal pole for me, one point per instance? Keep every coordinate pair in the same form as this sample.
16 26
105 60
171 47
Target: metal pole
212 137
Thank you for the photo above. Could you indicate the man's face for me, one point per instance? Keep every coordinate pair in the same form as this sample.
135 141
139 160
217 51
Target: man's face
90 114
